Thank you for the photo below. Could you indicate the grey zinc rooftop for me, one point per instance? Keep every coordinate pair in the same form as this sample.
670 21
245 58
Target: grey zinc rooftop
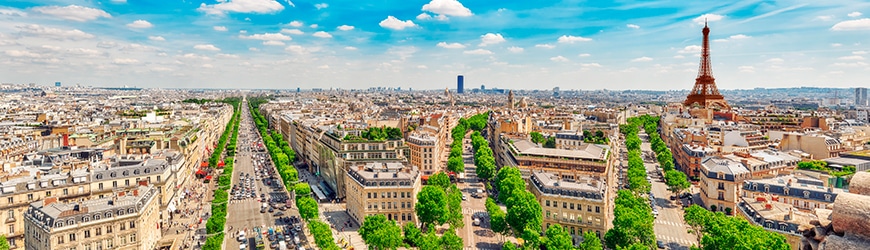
58 214
587 151
724 165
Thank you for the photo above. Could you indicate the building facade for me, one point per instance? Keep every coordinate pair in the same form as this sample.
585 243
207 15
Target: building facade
424 153
383 188
126 220
579 205
721 183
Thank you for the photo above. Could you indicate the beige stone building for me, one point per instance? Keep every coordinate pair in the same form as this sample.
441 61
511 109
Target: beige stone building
383 188
126 220
425 152
579 205
721 183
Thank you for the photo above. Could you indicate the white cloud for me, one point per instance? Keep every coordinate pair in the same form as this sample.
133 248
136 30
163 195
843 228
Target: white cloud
219 28
321 6
850 65
441 18
632 26
559 59
447 8
573 39
424 16
296 24
394 23
243 6
515 49
72 12
243 32
859 52
350 48
679 57
207 65
292 31
12 12
642 59
451 45
422 67
140 24
53 33
478 52
208 47
707 18
322 34
584 55
738 37
273 43
490 38
313 26
691 49
299 49
227 56
857 24
836 45
345 27
22 53
545 46
268 37
852 58
855 14
323 66
156 38
590 65
125 61
824 18
747 69
775 60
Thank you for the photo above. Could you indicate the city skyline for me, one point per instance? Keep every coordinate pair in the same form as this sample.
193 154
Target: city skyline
424 45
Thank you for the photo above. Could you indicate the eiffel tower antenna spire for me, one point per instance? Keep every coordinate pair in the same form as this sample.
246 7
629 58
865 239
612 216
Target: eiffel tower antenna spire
705 93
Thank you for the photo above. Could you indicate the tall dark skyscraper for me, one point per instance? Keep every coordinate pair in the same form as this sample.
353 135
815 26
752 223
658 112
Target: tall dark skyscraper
460 84
861 97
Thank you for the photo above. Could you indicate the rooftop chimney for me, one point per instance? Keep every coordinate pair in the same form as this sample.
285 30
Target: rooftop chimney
48 201
135 192
143 183
66 140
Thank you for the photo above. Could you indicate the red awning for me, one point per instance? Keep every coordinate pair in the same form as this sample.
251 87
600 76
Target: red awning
200 172
221 164
425 178
208 177
203 164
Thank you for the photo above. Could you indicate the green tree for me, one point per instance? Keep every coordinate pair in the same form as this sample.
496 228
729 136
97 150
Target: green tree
302 189
551 142
4 244
455 164
509 246
558 238
719 231
430 240
677 182
451 241
307 207
439 179
380 233
413 235
509 181
431 205
524 211
632 222
454 207
590 242
486 168
497 217
537 137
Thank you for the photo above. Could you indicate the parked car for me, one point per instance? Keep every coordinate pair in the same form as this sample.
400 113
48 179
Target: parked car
476 222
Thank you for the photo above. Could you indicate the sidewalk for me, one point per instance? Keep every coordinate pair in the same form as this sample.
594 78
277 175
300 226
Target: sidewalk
185 223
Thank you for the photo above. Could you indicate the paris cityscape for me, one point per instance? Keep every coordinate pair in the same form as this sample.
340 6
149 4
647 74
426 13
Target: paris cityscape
436 124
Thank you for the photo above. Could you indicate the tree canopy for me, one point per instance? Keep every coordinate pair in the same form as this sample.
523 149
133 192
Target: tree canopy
720 231
431 205
380 233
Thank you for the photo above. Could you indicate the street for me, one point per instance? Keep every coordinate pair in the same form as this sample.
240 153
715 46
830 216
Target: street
474 237
244 212
669 226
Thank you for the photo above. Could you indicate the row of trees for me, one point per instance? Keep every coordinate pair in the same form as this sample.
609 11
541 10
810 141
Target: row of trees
632 215
822 166
676 181
477 123
484 161
718 231
283 156
381 134
217 221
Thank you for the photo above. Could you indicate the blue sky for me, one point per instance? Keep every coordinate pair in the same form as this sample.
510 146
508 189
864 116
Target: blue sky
424 44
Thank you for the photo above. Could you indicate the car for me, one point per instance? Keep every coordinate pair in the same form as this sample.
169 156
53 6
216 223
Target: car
463 197
685 195
476 222
279 214
660 244
271 209
243 246
673 197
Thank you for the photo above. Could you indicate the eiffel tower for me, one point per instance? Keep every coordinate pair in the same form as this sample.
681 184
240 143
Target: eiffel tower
705 94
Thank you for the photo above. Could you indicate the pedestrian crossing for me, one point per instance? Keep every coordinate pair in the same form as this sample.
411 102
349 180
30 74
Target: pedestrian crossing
668 240
244 200
670 223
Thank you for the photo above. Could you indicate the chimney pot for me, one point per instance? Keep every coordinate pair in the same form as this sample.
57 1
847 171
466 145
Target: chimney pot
48 201
135 192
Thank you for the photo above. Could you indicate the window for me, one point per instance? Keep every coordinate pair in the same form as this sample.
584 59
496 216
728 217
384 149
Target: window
110 243
548 214
109 229
588 208
10 200
10 215
564 204
126 182
98 231
572 205
132 224
100 186
87 233
133 238
72 237
123 227
579 207
30 197
548 203
59 239
47 193
11 229
65 191
370 195
114 184
597 209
